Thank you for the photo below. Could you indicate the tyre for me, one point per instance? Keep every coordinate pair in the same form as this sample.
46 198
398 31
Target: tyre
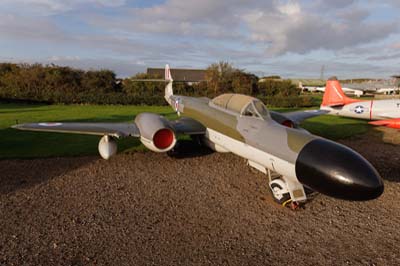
279 191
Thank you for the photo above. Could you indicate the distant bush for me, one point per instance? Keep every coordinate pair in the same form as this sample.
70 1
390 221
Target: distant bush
121 98
280 88
289 101
56 84
272 77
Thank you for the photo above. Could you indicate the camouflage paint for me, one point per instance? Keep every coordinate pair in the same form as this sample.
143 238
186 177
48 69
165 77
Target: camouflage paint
266 135
297 141
213 118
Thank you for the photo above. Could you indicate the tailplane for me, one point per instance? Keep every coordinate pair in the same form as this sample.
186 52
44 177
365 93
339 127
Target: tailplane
392 123
334 95
168 89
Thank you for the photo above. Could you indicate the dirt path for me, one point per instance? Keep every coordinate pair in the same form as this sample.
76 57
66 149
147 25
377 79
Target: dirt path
151 209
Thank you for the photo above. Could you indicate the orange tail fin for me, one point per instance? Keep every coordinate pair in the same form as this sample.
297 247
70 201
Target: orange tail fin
334 95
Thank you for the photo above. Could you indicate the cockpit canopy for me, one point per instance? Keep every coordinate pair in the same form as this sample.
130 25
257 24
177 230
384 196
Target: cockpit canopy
242 104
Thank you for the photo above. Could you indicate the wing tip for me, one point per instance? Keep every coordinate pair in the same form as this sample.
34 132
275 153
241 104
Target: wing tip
17 126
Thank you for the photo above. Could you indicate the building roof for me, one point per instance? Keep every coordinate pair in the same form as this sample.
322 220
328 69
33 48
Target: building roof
189 75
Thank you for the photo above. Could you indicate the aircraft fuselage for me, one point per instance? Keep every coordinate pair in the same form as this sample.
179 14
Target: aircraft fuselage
370 110
300 157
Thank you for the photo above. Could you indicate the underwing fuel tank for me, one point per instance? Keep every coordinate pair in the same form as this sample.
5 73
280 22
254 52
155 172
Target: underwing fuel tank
337 171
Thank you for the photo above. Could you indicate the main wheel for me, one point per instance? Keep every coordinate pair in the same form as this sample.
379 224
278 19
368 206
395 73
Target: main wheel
279 191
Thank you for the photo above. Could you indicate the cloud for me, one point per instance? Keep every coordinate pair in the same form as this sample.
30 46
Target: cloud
393 56
123 68
395 45
311 68
353 15
55 58
51 7
282 27
28 28
337 4
295 30
197 33
191 18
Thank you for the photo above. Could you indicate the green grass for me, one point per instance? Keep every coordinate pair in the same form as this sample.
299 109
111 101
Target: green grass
25 144
335 128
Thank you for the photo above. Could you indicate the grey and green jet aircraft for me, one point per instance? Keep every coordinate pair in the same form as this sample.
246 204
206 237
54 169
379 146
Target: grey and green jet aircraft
294 160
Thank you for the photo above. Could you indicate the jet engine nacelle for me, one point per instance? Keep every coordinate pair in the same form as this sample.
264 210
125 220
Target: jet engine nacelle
107 147
155 132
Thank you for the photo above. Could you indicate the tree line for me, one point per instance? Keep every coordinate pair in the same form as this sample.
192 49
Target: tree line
66 85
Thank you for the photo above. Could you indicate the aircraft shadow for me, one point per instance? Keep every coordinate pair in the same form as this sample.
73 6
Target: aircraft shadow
189 149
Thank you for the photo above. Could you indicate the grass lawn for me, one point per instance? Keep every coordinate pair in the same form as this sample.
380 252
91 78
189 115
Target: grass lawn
24 144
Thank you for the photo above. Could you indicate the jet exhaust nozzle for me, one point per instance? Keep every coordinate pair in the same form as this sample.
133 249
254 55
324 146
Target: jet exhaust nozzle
337 171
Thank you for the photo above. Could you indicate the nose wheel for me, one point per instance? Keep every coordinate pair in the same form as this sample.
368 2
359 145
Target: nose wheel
286 191
280 192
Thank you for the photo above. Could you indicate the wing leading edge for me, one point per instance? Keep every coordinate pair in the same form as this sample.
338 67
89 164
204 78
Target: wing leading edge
112 129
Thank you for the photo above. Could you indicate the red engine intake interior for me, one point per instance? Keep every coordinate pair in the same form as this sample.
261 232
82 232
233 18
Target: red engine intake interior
163 138
288 123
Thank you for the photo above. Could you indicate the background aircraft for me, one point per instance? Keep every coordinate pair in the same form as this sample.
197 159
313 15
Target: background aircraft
349 91
335 102
271 142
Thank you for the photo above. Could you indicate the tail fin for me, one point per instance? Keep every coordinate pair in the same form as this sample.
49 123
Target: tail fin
168 89
168 76
334 95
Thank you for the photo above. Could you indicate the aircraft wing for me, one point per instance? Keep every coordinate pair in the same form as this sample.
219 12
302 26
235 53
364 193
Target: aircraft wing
112 129
300 116
181 126
188 126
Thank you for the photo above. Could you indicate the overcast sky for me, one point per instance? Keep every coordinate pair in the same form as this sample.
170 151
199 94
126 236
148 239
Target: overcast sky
289 38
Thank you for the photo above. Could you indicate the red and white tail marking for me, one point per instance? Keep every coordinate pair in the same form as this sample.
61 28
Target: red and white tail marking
168 76
334 95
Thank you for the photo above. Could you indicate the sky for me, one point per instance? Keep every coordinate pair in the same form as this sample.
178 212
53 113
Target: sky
346 38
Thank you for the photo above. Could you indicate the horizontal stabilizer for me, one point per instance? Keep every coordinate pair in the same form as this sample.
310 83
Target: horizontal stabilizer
392 123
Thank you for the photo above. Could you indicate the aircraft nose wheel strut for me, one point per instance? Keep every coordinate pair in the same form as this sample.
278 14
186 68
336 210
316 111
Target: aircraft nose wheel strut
281 193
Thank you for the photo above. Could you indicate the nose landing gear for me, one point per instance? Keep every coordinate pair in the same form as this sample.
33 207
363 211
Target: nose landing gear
286 192
279 190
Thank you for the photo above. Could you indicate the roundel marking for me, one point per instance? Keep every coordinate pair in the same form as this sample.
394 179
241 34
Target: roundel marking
359 109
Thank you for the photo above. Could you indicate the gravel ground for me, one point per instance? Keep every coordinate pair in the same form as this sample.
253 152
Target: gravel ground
202 209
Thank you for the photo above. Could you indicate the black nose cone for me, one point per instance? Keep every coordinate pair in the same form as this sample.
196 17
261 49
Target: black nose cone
337 171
